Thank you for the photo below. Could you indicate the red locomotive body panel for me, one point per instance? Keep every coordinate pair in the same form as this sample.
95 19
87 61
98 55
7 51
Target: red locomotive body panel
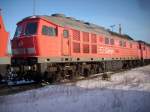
3 39
35 45
144 50
147 48
4 58
24 44
148 51
4 36
49 46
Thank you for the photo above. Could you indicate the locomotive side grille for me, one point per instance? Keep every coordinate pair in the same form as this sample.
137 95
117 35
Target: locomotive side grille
93 38
76 47
86 48
94 48
85 37
76 35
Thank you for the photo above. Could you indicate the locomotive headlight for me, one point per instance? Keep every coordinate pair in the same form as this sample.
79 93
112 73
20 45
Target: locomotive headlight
30 50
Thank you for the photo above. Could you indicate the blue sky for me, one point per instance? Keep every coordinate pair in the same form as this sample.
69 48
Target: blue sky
134 15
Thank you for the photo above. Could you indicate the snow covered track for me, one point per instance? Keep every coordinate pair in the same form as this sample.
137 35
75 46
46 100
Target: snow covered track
128 91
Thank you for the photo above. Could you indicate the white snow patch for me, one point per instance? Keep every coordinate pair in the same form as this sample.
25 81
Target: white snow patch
128 91
135 79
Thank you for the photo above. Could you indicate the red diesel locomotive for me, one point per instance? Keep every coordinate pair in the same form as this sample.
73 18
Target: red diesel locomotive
57 47
61 47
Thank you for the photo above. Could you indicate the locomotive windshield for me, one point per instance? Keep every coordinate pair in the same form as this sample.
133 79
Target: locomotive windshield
31 29
18 31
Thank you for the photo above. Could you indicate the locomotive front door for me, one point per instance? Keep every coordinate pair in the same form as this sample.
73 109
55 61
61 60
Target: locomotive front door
65 43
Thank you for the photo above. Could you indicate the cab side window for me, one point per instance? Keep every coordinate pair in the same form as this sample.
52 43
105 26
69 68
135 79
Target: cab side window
106 40
112 41
66 33
49 31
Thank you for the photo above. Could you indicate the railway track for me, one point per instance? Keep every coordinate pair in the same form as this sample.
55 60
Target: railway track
102 76
12 89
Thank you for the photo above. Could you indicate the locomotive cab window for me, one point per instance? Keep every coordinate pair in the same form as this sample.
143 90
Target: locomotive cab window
66 33
106 40
49 31
31 28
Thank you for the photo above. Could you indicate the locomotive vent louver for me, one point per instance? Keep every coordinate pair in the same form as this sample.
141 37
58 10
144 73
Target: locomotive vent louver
58 15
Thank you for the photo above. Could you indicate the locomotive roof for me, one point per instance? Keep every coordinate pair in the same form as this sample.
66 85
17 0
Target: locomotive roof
143 42
76 24
121 35
62 20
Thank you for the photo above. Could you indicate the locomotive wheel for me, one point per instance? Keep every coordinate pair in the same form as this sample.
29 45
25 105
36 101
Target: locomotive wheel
59 77
99 69
55 77
86 72
71 74
93 69
49 77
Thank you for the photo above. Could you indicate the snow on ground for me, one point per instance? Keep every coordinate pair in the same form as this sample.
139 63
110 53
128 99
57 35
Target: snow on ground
128 91
136 79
